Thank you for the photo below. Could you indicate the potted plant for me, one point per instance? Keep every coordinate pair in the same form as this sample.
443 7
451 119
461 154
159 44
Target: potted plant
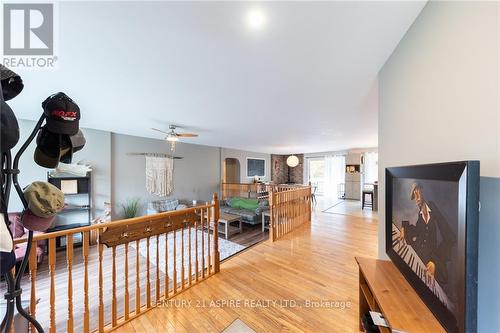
131 208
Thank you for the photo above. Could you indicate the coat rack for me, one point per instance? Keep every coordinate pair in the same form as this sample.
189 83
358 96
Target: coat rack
9 175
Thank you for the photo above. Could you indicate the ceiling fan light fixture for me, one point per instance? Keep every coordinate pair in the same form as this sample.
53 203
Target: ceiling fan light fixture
172 138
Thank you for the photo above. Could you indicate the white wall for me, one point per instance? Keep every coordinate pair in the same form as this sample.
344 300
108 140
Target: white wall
241 156
439 91
439 101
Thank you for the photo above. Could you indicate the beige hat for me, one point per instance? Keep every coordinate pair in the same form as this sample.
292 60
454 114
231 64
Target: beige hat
44 199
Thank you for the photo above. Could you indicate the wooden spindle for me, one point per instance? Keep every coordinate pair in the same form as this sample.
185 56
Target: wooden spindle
69 260
127 296
32 267
190 254
166 292
202 244
182 257
209 219
175 263
271 215
113 276
196 226
157 285
215 202
86 316
52 271
137 279
148 276
101 292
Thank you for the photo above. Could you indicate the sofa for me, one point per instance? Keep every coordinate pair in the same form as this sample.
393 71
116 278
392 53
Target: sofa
18 231
165 205
250 210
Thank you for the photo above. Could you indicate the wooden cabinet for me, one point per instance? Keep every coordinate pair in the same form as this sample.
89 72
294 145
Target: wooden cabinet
382 288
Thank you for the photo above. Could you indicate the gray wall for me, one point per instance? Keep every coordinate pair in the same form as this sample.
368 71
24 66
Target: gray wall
439 102
118 176
97 152
242 155
489 258
196 176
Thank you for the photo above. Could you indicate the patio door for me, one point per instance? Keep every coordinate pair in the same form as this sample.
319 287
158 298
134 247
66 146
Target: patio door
326 174
316 170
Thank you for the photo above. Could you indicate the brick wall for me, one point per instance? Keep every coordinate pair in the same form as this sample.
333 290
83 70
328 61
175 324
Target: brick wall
297 173
279 169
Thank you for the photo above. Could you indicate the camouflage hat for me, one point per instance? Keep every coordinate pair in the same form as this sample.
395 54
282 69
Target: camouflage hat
44 199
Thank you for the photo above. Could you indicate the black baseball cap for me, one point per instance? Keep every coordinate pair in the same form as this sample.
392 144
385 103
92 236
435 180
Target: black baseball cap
9 130
48 149
77 141
62 114
52 148
66 150
7 261
12 84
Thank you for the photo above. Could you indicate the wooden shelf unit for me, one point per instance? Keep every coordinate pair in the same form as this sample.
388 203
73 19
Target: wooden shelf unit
382 288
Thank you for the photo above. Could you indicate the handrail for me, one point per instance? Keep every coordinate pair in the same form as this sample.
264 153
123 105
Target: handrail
113 224
289 209
257 190
157 250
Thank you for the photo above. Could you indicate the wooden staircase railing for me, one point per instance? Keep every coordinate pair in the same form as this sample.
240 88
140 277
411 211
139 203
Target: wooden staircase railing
255 190
290 207
104 286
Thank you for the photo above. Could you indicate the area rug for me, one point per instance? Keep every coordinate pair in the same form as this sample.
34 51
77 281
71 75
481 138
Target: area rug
226 249
238 326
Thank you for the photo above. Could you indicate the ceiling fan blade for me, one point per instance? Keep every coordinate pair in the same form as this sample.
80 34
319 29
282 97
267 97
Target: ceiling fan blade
155 129
187 135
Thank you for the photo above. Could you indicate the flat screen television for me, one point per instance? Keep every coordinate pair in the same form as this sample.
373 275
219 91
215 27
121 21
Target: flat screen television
432 214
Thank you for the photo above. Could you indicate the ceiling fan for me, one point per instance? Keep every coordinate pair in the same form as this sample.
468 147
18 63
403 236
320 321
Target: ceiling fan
173 136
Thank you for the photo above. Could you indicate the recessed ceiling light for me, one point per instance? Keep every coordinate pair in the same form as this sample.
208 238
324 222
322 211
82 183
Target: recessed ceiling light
256 19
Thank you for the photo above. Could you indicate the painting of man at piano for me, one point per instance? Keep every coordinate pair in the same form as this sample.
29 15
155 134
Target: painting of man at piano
424 233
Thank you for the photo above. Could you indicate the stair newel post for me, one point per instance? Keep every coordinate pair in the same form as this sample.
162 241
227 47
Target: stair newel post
215 203
310 202
271 213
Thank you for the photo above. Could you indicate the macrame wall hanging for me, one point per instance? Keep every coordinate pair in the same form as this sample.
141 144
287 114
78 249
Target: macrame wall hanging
159 175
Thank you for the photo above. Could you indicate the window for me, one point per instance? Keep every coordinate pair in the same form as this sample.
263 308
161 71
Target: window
335 175
371 168
316 168
326 174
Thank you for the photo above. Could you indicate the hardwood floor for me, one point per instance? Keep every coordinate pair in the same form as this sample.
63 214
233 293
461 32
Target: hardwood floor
306 282
252 234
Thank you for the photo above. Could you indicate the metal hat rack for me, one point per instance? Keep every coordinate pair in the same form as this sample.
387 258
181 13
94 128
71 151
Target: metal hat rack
9 175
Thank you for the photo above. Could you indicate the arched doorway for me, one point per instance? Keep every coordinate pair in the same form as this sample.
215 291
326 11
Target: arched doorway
231 170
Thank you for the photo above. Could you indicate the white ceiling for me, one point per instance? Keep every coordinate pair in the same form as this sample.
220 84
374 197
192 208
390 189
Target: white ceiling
306 82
